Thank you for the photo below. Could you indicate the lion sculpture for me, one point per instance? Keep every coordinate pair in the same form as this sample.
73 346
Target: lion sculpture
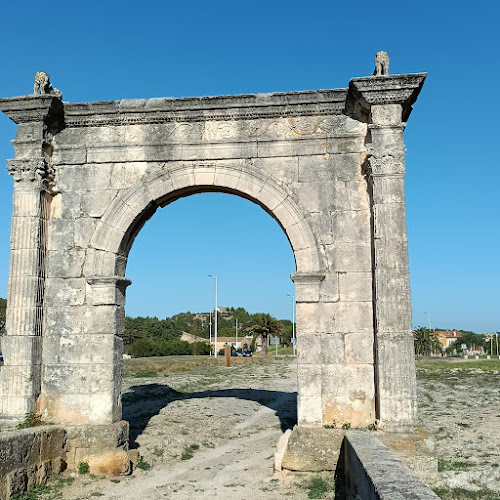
43 86
381 63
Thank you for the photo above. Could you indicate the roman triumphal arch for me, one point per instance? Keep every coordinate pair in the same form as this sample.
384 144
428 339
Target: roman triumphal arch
328 165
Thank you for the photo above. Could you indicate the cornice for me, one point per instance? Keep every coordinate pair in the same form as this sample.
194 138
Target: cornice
239 107
387 89
43 108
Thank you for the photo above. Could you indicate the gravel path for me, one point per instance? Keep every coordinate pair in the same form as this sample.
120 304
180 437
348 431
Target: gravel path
211 432
228 419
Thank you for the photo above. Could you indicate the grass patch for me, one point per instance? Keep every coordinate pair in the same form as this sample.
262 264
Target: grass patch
461 494
317 487
453 465
143 465
145 374
189 451
31 419
32 493
174 364
45 491
460 363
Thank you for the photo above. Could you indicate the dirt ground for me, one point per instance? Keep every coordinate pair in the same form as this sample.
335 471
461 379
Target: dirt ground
459 403
211 432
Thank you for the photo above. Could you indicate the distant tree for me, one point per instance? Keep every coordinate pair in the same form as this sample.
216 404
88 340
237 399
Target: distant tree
425 342
200 348
266 325
286 333
471 339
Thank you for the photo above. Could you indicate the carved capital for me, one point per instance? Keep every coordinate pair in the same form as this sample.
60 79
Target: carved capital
387 160
33 171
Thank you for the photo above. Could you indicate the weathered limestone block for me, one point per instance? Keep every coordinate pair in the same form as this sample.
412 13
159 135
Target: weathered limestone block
351 226
313 450
66 263
104 447
307 286
355 286
107 319
333 350
353 317
83 349
29 457
66 320
66 291
61 234
348 144
358 348
316 317
349 256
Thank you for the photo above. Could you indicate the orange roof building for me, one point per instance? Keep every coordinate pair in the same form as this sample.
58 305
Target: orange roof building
447 337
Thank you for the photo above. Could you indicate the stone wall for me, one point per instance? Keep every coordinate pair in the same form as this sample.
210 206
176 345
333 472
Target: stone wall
33 456
29 457
367 469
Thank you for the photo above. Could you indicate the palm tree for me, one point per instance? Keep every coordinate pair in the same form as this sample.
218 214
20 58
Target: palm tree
266 325
425 342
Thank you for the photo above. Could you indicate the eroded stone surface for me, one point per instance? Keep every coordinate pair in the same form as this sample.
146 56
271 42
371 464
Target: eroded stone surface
328 165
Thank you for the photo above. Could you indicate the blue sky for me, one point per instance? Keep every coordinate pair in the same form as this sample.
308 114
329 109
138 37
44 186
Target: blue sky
114 50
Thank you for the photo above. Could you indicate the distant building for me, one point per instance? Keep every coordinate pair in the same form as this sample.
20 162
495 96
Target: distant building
447 337
223 341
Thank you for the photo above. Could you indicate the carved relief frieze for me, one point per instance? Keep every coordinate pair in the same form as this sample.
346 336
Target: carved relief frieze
342 126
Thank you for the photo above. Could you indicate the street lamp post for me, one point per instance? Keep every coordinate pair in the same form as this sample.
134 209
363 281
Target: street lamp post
215 312
429 318
293 322
210 331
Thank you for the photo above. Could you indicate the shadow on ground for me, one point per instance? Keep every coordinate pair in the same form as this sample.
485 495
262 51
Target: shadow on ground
159 396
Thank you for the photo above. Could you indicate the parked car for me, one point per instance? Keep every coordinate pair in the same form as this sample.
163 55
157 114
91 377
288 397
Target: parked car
247 353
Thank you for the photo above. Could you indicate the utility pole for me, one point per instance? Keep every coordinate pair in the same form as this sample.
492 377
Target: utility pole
429 318
210 331
215 312
236 346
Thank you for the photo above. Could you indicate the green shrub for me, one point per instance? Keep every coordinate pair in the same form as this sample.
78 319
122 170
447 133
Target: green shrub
143 465
317 487
143 348
83 467
200 348
31 419
189 451
32 493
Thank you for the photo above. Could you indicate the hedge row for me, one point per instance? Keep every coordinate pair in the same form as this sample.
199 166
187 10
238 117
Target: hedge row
175 347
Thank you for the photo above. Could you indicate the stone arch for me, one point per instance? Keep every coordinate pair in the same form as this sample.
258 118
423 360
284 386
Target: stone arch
126 214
